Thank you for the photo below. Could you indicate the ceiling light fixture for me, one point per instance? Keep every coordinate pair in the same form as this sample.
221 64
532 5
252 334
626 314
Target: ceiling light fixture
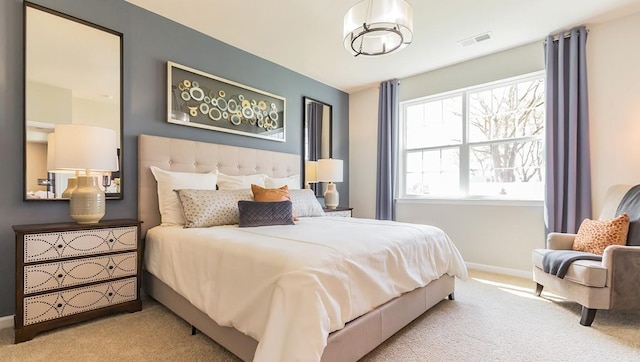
378 27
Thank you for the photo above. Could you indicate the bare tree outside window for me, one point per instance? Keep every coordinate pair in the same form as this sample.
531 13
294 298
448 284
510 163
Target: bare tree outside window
508 114
493 147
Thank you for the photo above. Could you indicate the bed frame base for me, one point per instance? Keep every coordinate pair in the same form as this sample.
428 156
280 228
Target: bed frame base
351 343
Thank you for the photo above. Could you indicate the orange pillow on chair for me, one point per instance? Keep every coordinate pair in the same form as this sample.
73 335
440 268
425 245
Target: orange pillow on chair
271 195
595 235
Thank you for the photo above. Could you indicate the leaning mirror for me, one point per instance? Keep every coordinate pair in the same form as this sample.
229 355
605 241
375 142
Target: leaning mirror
317 137
72 75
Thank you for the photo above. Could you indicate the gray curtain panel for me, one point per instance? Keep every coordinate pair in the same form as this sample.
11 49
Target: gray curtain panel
568 170
387 150
314 137
314 116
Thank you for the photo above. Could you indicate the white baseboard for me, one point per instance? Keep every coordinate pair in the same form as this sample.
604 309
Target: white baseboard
6 322
500 270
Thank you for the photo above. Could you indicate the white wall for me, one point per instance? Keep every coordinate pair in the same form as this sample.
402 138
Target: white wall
50 104
501 237
495 237
36 165
363 151
613 67
95 113
521 60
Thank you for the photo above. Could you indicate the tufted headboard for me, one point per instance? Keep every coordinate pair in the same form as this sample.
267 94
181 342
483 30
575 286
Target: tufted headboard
191 156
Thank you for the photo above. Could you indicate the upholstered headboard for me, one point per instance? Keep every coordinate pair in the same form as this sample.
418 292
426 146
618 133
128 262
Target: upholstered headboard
190 156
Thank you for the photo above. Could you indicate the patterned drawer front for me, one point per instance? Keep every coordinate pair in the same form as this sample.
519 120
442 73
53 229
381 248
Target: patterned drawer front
41 277
60 304
56 245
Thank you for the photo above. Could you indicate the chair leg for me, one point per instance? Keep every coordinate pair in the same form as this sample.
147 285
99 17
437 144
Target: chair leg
588 314
539 289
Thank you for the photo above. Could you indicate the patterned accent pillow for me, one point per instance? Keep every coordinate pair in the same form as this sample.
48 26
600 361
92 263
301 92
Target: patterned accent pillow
595 235
206 208
168 203
243 182
256 213
305 203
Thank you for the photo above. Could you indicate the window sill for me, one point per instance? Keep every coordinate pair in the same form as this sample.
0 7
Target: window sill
469 201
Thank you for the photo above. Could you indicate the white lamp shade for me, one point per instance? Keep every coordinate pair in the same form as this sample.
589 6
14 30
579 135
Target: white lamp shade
83 147
311 171
380 16
51 155
330 170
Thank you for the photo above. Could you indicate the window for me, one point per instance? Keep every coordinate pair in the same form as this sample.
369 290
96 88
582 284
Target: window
481 142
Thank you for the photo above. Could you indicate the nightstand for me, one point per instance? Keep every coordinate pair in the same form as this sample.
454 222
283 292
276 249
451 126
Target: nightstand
339 211
68 273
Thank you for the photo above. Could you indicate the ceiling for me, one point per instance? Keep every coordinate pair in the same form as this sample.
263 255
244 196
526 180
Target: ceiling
306 35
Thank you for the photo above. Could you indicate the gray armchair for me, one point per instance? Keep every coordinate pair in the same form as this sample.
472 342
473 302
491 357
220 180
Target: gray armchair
614 282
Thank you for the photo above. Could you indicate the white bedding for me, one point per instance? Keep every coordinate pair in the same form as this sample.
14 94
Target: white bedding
288 287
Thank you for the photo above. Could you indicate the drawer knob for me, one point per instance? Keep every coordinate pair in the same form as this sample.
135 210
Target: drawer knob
110 267
59 275
111 240
59 305
110 294
59 246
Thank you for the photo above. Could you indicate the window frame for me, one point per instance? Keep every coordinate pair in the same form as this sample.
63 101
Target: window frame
464 196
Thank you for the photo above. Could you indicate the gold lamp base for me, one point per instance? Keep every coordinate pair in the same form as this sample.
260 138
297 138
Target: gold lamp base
72 182
87 203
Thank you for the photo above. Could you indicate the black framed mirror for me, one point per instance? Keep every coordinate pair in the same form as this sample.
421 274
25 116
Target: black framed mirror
72 75
318 118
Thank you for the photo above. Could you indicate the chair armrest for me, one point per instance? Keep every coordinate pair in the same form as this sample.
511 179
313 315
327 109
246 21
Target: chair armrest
623 266
560 241
613 252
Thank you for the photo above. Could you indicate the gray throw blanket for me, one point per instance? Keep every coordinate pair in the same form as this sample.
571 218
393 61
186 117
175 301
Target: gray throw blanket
557 262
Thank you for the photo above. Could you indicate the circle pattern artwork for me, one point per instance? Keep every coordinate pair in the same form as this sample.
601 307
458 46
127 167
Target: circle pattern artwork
239 110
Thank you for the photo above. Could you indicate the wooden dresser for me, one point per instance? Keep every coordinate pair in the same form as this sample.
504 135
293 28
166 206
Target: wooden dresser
68 273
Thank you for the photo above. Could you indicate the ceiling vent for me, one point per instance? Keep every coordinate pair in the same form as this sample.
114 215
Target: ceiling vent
475 39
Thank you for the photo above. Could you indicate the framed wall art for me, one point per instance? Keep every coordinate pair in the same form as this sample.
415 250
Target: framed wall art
203 100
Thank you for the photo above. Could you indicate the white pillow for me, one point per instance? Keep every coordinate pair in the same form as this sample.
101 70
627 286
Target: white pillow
292 182
168 181
305 203
227 182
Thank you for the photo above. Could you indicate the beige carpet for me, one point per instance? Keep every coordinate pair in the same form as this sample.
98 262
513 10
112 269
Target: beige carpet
494 318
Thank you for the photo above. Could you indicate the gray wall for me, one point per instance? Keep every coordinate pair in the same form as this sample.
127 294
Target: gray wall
149 41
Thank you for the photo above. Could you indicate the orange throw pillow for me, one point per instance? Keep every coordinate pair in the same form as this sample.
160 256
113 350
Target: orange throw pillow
270 195
595 235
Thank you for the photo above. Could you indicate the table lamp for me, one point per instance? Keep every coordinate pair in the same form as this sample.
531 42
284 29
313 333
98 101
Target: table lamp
72 182
310 173
86 149
330 170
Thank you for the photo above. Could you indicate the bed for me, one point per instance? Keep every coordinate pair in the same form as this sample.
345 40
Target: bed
320 302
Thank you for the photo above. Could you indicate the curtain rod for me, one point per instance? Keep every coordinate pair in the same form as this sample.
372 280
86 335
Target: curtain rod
564 34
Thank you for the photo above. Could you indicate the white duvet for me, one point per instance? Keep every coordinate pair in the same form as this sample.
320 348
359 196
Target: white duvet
289 286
